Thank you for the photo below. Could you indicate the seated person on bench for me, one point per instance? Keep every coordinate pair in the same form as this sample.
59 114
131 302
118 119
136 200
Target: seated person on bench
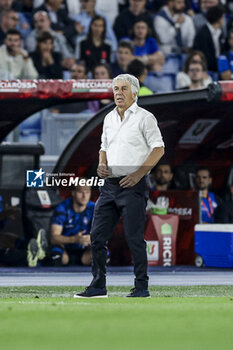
70 229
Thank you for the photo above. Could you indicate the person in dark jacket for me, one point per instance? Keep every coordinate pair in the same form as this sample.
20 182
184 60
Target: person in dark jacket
60 21
126 19
46 61
209 39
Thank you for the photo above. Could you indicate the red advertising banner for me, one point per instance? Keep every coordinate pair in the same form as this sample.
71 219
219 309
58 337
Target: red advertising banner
65 89
185 204
160 236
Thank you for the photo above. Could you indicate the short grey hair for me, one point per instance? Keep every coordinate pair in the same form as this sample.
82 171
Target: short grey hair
131 79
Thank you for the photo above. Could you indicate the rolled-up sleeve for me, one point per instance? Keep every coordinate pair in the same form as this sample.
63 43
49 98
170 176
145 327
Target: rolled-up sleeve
103 146
151 132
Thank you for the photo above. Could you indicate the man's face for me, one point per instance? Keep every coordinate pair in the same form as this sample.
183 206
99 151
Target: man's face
11 20
203 180
196 73
88 5
124 56
41 22
137 5
78 72
163 175
140 30
5 4
81 195
13 43
101 73
123 95
178 6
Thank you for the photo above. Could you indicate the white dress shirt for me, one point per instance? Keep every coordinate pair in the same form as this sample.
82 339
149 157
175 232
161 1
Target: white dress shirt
167 33
215 33
129 142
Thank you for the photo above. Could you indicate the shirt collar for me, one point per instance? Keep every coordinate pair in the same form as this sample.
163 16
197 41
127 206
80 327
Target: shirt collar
132 108
166 9
213 31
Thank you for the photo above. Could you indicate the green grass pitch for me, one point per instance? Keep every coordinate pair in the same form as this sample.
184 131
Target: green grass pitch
175 318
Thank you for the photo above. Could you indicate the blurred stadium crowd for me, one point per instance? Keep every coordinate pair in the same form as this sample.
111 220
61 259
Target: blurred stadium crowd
168 45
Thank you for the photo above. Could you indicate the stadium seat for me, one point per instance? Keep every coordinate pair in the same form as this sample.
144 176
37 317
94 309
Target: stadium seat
30 129
160 82
63 127
172 64
184 176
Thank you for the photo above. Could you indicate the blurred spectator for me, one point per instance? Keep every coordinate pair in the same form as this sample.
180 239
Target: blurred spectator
139 70
111 12
9 20
72 6
199 19
224 212
86 14
23 25
209 38
183 80
70 228
100 71
145 47
15 62
225 62
161 177
60 21
175 29
209 201
79 71
46 61
94 49
42 23
124 57
126 19
196 73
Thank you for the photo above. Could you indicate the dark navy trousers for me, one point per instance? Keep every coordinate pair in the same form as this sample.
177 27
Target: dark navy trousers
113 202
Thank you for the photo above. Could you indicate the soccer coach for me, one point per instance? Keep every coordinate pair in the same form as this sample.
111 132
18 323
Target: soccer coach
131 146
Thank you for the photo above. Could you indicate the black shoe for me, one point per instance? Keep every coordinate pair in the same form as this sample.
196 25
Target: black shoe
138 293
91 292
